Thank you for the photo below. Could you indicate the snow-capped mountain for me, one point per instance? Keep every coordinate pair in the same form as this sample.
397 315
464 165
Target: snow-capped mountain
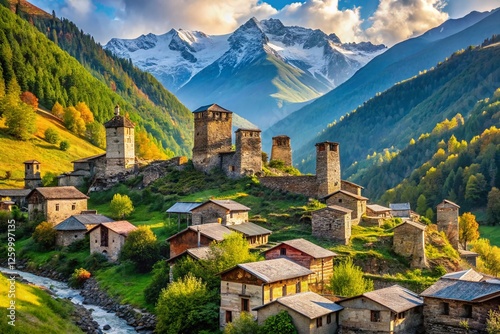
263 70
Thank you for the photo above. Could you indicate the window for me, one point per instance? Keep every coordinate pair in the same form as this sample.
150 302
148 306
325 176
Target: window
401 315
73 206
467 311
231 215
283 290
340 200
446 309
57 207
104 237
245 305
270 293
229 317
243 289
328 318
375 316
282 251
319 322
297 287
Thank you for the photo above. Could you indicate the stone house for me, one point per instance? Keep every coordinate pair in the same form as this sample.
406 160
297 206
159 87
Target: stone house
375 210
253 284
196 236
333 223
409 241
282 150
448 302
350 201
108 238
447 220
351 187
75 227
83 169
56 203
389 310
401 210
315 258
310 312
225 212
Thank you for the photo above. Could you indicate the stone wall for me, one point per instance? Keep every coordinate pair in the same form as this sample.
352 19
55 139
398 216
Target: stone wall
409 241
282 150
350 187
332 225
66 238
357 206
305 184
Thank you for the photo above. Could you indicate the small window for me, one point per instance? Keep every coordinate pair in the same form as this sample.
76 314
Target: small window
270 293
467 311
76 236
245 305
243 289
375 316
402 315
229 317
283 290
446 309
57 207
231 215
282 251
297 287
73 206
340 200
329 319
329 226
319 322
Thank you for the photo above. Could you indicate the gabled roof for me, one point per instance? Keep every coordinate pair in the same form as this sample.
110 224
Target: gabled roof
336 208
183 207
249 229
306 247
214 231
227 204
352 184
395 298
274 270
90 158
212 107
412 223
14 192
347 193
121 227
196 253
454 289
119 122
66 192
70 224
448 202
31 162
309 304
399 206
377 208
465 275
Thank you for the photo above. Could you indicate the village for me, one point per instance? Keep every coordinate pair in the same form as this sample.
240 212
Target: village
295 274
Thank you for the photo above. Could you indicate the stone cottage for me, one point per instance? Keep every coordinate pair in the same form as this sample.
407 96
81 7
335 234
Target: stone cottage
310 312
449 301
56 203
389 310
447 220
409 241
75 227
225 212
108 238
333 223
401 210
315 258
253 284
348 200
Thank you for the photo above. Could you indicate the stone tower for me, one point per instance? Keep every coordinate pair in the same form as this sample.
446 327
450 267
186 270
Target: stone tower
32 177
120 149
282 150
212 135
447 220
327 168
248 151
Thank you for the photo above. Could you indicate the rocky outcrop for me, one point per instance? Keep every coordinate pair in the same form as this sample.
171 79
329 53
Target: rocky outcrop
143 322
83 319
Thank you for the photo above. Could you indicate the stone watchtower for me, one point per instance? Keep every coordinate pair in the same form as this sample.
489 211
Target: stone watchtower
282 150
212 135
447 220
120 149
248 151
32 177
327 168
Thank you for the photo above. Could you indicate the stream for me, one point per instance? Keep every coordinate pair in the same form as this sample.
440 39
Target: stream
62 290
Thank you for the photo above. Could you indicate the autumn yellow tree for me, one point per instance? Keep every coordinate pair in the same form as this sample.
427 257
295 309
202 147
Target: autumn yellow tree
85 113
58 110
468 229
145 148
74 121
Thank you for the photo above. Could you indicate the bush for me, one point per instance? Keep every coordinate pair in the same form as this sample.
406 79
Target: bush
161 272
121 206
45 235
141 248
64 145
51 135
96 261
280 323
348 280
78 277
244 324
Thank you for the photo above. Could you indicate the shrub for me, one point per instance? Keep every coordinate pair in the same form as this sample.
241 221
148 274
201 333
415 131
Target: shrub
244 324
348 280
121 206
78 277
280 323
64 145
51 135
161 272
141 248
96 261
45 235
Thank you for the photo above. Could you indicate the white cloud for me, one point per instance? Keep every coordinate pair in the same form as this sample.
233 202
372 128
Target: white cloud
397 20
81 7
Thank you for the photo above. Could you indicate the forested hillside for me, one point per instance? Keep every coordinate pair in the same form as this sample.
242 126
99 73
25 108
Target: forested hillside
41 67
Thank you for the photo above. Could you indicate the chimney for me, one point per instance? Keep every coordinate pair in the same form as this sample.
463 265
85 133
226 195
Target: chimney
117 110
199 238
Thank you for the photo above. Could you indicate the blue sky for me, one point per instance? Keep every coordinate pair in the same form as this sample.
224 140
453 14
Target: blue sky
378 21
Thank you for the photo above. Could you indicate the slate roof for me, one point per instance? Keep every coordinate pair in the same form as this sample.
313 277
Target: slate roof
465 275
351 183
212 107
214 231
412 223
70 224
309 304
377 208
197 253
227 204
14 192
468 291
395 298
90 158
121 227
249 229
399 206
336 208
66 192
448 202
119 122
183 207
347 193
307 247
274 270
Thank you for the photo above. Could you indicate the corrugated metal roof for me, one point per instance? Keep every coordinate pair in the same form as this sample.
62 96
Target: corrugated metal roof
395 298
66 192
183 207
399 206
377 208
249 229
212 107
307 247
347 193
275 270
469 291
309 304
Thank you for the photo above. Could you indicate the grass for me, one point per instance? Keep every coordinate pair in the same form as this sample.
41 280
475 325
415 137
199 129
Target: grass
490 232
36 311
52 159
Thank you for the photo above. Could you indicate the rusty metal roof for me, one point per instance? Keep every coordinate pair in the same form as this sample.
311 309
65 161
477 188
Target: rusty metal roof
309 304
469 291
352 184
306 247
66 192
274 270
249 229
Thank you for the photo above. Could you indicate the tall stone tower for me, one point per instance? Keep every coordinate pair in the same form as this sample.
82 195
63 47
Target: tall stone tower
212 135
327 168
282 150
32 172
447 220
120 149
248 151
